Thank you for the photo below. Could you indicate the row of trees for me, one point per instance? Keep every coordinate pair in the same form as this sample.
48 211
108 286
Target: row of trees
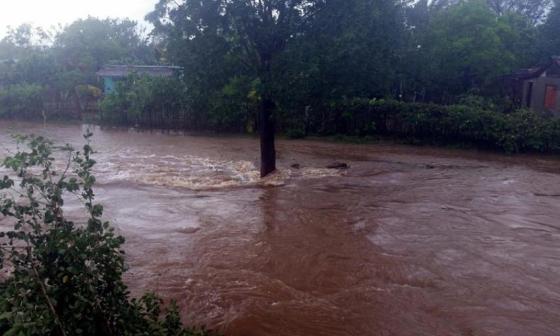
299 54
319 50
315 49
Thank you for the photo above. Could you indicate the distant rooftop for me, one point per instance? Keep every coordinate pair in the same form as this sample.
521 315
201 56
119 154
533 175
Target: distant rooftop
536 71
149 70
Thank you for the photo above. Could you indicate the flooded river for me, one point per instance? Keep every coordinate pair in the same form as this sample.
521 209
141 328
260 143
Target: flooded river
407 241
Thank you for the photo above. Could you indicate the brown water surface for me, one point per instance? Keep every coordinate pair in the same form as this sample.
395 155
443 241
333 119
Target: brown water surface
408 241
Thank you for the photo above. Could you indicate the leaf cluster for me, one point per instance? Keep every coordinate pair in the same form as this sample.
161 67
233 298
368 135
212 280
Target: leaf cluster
65 277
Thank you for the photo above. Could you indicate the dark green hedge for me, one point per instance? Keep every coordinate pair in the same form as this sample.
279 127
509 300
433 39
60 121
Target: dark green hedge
22 101
519 131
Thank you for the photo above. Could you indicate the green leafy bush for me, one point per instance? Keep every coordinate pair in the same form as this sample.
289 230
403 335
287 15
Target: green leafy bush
234 107
65 278
146 102
21 101
519 131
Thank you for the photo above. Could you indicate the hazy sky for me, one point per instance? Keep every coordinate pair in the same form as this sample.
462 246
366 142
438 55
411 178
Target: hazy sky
47 13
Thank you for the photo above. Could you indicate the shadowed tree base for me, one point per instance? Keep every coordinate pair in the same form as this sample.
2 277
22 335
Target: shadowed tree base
268 151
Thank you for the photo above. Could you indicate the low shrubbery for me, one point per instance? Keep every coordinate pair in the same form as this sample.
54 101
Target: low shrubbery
149 102
21 101
64 278
518 131
146 102
474 121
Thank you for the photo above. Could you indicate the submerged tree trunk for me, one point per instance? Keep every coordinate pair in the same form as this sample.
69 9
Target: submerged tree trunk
268 151
266 116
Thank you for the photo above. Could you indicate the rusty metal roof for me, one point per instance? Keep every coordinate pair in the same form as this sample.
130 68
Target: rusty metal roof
148 70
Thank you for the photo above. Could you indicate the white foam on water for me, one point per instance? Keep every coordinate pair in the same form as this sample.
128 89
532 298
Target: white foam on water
194 172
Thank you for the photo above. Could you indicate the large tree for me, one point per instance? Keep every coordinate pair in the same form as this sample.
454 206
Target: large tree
466 47
258 30
88 44
549 38
533 10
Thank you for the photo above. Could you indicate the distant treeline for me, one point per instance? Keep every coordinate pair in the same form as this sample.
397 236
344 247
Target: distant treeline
46 74
422 69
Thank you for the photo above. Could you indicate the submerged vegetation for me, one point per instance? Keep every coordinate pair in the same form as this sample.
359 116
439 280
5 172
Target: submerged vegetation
63 277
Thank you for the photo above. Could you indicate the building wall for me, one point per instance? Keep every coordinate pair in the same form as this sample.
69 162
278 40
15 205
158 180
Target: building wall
525 102
109 85
538 95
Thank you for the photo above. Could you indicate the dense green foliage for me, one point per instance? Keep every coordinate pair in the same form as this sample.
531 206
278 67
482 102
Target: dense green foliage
464 124
465 49
21 100
549 40
425 51
65 278
63 61
146 102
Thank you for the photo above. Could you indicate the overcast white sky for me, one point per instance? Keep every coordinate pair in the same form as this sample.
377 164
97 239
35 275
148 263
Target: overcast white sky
47 13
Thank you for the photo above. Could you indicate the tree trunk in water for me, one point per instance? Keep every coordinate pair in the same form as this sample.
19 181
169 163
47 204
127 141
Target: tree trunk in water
266 116
268 151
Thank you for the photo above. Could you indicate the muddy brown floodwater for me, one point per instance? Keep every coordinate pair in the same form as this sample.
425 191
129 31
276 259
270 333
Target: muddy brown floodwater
408 241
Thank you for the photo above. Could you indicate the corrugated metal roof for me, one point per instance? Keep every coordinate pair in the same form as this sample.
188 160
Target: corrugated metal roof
149 70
